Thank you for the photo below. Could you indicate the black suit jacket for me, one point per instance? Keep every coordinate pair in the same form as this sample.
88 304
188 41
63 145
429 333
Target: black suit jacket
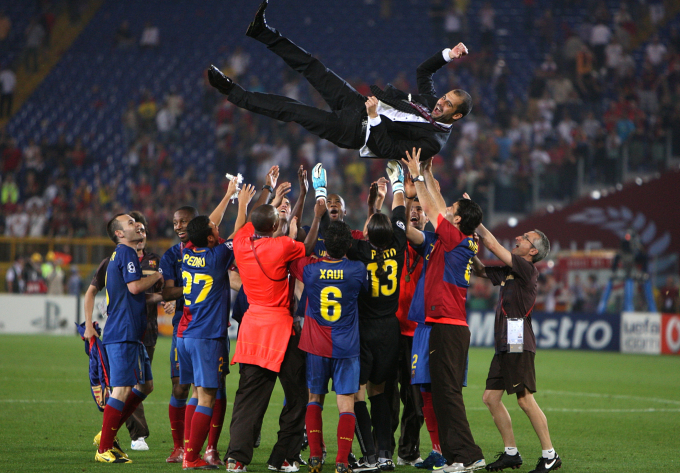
391 140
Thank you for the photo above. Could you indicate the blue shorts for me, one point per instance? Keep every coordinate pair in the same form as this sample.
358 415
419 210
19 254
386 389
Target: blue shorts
129 364
343 371
202 361
174 358
420 356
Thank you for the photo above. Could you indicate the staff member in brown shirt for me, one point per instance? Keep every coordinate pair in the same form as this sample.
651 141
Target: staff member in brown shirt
510 371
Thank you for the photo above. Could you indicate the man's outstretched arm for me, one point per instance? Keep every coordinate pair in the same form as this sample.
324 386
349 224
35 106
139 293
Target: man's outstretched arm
427 69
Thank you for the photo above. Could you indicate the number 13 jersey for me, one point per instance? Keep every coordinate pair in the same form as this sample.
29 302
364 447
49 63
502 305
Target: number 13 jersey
382 298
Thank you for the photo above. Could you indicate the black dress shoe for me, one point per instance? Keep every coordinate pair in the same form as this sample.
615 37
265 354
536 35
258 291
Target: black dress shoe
218 80
258 25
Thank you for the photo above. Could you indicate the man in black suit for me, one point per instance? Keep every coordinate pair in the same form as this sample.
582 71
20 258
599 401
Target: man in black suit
385 127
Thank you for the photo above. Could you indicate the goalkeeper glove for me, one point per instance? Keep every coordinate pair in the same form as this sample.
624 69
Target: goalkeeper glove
319 181
396 174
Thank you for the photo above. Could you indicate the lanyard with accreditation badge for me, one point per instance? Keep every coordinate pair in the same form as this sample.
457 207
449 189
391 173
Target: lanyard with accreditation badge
515 330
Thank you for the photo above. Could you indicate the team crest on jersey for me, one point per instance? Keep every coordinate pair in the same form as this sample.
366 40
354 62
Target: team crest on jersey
131 267
152 263
401 225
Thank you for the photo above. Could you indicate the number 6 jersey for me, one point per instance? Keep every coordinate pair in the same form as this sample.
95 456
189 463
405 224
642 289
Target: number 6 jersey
382 299
333 286
206 291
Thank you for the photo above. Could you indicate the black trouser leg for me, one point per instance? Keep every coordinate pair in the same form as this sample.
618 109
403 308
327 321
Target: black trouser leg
292 418
363 432
341 128
449 346
412 415
382 425
136 423
255 388
337 93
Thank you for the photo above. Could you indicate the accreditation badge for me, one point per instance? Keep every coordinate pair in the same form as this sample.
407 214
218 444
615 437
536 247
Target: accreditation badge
515 335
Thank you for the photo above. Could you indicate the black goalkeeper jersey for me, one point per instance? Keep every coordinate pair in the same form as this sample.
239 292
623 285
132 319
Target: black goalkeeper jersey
382 299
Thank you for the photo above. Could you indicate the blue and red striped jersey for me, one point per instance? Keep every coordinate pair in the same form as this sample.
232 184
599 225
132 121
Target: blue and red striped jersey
206 291
331 326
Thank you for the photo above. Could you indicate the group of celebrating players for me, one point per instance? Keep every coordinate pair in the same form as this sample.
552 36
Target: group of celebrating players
381 306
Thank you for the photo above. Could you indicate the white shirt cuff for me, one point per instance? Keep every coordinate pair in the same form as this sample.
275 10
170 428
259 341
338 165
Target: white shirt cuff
374 121
445 53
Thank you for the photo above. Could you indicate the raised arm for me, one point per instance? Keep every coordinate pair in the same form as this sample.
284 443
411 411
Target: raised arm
269 185
490 242
245 195
427 69
429 204
218 214
431 183
413 235
304 187
310 240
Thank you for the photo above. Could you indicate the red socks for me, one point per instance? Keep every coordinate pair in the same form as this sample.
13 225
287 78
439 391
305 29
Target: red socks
431 421
111 423
219 410
176 412
345 436
200 425
188 416
133 401
314 425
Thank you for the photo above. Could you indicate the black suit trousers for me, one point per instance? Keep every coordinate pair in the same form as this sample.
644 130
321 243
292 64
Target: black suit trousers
341 125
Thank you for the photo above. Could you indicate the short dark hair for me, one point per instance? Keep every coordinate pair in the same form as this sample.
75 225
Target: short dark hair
189 209
470 214
112 226
264 218
338 239
199 230
465 105
139 218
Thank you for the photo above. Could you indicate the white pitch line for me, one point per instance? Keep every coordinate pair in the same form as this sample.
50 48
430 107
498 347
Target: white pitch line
612 396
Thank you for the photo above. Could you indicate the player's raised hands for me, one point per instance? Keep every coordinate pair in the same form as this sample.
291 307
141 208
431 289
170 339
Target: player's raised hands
372 107
302 180
319 181
409 186
232 188
280 193
319 208
382 187
246 194
272 176
412 162
458 51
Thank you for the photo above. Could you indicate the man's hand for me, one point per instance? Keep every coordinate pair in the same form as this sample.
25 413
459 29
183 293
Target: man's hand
372 194
458 51
233 187
396 174
319 181
412 161
426 166
302 180
320 208
272 176
382 187
466 196
246 194
89 332
280 192
409 187
372 107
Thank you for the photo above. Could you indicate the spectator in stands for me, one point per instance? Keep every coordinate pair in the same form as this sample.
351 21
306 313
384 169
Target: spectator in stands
37 215
655 52
150 36
238 62
593 293
77 156
11 157
166 124
75 282
9 193
669 296
5 29
600 36
8 82
146 111
487 16
14 276
16 223
578 295
175 103
124 36
35 37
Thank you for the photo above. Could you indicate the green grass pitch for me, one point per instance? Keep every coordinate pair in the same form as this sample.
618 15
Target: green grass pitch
607 412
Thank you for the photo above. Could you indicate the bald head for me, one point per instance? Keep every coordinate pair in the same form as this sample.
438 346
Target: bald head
265 219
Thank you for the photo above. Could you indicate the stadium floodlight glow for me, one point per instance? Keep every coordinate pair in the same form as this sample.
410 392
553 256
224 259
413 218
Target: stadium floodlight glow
638 181
512 222
551 264
595 194
550 208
